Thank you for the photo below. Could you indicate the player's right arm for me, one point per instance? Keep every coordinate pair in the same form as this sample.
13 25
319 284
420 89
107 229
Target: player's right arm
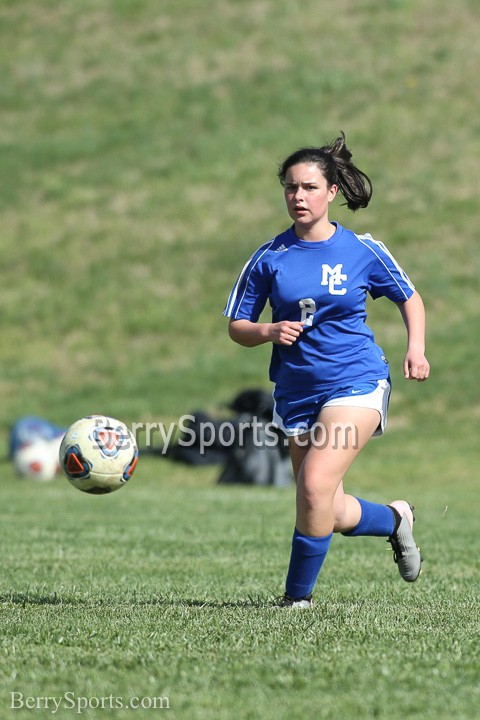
249 334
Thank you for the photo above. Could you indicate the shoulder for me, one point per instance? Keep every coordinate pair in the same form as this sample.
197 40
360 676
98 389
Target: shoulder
377 249
385 270
281 242
369 242
271 249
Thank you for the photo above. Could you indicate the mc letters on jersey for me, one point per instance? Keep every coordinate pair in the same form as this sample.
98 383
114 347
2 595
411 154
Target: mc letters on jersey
333 277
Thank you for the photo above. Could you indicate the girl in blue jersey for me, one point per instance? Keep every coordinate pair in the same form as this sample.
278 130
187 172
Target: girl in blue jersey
332 382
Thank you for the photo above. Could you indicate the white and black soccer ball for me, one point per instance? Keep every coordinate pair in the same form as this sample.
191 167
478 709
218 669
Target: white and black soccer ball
98 454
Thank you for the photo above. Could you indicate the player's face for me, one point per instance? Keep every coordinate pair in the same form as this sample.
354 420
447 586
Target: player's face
307 195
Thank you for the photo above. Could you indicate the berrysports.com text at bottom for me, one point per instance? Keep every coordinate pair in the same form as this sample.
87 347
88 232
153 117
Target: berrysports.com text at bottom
79 703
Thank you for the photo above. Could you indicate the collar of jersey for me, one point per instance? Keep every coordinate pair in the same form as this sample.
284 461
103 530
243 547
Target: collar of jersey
318 244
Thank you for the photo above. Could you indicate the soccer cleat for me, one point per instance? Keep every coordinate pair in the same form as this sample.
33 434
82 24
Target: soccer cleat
304 603
405 551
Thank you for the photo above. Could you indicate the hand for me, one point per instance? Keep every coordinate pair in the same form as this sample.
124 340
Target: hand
285 332
416 366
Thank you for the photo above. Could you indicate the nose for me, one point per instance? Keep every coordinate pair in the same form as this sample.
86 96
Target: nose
299 193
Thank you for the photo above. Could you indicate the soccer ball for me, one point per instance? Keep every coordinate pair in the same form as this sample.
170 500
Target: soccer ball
98 454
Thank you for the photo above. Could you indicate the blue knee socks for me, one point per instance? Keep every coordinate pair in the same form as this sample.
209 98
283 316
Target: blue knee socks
378 520
308 553
306 560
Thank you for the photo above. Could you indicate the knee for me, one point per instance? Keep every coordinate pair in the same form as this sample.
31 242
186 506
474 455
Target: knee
316 496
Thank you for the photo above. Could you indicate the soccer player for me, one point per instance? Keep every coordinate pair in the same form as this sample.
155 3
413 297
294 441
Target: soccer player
332 382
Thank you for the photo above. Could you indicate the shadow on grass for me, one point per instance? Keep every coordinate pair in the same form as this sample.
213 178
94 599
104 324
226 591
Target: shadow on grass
249 602
28 599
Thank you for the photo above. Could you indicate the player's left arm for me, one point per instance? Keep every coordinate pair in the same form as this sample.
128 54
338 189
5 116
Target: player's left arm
415 365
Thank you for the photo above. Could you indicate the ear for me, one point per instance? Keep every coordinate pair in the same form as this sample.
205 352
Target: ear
332 192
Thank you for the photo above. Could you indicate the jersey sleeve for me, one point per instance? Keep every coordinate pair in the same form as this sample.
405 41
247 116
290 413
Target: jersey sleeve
387 278
250 293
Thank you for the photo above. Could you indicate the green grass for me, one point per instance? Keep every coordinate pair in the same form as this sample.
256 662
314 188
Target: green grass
166 590
138 150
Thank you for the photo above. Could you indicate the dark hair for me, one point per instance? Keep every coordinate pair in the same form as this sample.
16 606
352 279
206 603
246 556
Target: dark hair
334 161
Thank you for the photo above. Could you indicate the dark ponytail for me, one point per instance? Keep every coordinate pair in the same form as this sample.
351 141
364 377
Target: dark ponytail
334 161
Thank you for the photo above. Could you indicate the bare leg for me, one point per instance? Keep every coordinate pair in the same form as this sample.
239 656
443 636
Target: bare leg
319 467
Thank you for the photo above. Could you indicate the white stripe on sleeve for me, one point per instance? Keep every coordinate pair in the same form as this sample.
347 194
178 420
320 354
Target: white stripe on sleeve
384 249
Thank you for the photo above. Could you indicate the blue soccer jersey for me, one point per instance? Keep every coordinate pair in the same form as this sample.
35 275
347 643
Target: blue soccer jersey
325 285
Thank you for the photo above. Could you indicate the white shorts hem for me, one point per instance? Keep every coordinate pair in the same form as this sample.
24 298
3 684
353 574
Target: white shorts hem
376 400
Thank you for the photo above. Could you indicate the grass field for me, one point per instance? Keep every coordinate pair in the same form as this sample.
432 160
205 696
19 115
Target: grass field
138 151
165 590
